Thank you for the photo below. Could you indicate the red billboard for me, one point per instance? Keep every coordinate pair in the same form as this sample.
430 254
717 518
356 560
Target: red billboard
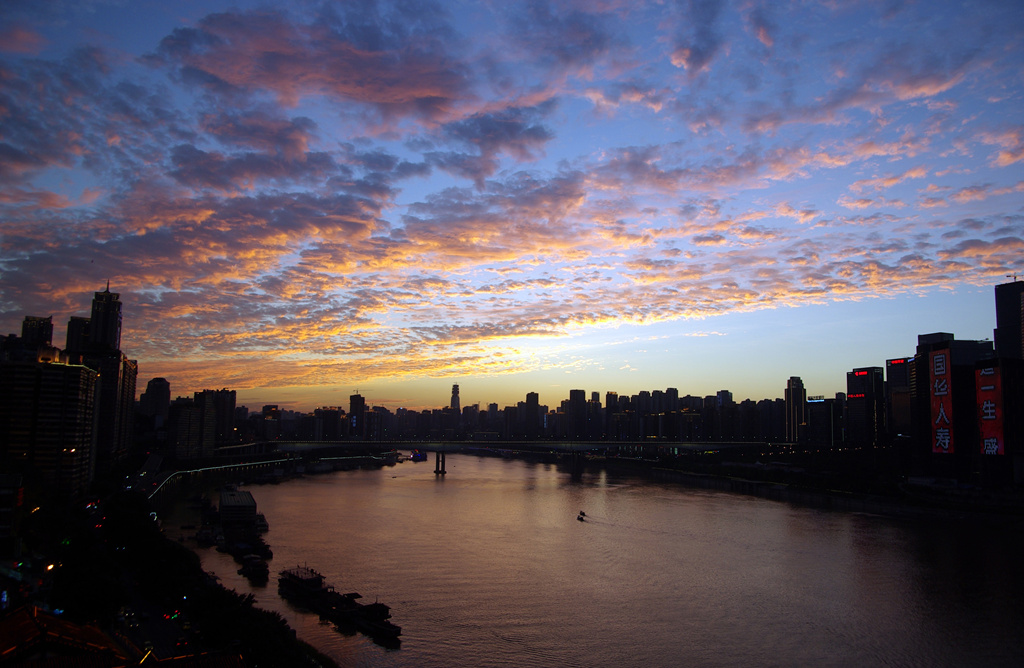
941 375
990 410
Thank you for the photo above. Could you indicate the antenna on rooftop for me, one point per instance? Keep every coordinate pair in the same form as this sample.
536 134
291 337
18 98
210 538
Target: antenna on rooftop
1013 276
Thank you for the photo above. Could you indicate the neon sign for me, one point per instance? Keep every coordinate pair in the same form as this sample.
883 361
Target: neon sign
941 401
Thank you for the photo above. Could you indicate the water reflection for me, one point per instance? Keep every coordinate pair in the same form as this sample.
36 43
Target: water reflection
489 567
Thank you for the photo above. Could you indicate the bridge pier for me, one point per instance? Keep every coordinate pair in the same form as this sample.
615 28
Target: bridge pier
577 461
439 463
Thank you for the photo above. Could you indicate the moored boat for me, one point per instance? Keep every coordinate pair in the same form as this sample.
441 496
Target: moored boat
308 588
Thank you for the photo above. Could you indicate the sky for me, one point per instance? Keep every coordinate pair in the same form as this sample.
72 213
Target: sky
303 200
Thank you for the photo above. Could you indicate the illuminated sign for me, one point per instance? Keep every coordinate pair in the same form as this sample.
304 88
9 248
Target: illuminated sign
899 361
860 373
990 410
855 396
940 388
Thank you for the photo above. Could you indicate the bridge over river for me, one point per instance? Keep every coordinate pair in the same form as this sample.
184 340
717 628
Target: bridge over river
268 455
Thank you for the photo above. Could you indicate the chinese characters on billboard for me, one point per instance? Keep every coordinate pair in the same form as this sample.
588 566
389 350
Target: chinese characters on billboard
990 410
940 374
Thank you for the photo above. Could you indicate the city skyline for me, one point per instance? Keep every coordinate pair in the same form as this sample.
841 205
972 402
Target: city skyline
302 202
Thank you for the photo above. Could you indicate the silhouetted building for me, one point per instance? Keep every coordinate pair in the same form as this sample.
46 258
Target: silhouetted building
77 335
47 425
824 423
456 404
898 404
37 332
1008 334
155 402
796 409
105 322
95 342
865 407
357 417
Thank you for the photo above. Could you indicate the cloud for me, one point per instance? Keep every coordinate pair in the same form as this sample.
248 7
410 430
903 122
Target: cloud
20 39
399 69
884 182
698 39
1011 141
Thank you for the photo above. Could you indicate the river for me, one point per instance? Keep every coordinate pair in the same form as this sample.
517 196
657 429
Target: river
488 566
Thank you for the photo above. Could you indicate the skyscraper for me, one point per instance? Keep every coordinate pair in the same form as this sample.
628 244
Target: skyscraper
865 407
105 323
47 424
456 405
101 350
796 409
1008 334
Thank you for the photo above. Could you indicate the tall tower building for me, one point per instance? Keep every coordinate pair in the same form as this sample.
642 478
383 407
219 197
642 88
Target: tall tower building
796 409
101 350
456 405
1008 334
865 407
357 416
105 323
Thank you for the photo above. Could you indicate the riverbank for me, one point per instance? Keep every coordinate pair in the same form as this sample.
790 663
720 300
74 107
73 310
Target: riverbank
910 499
116 573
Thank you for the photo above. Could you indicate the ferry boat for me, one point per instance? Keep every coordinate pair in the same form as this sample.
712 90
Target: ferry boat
308 588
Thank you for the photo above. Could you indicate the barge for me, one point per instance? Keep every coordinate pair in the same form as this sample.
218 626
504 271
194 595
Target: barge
308 588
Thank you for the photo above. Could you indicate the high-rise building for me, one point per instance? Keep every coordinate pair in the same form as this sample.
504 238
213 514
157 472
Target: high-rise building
155 402
576 415
865 407
898 403
95 342
943 387
1008 334
796 409
37 332
105 323
455 404
357 416
78 335
46 425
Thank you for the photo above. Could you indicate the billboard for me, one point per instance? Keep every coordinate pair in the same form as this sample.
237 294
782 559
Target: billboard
990 410
941 375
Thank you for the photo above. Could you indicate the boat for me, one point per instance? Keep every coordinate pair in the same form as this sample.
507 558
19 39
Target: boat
308 588
255 568
418 456
581 518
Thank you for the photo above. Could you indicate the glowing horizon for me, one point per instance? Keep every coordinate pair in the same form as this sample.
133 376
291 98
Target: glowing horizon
299 201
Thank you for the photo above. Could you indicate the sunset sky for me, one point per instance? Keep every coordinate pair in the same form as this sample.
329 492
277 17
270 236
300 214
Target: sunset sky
299 200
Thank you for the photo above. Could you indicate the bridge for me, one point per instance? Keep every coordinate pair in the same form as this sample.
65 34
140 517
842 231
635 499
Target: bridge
264 455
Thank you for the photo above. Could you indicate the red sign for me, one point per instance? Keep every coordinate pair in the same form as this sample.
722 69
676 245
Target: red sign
941 390
860 373
990 410
855 396
899 361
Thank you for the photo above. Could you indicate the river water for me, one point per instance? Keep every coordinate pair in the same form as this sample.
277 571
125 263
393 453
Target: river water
488 566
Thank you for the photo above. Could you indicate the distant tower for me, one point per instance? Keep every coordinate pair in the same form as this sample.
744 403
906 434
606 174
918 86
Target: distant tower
796 408
105 323
456 405
1008 335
